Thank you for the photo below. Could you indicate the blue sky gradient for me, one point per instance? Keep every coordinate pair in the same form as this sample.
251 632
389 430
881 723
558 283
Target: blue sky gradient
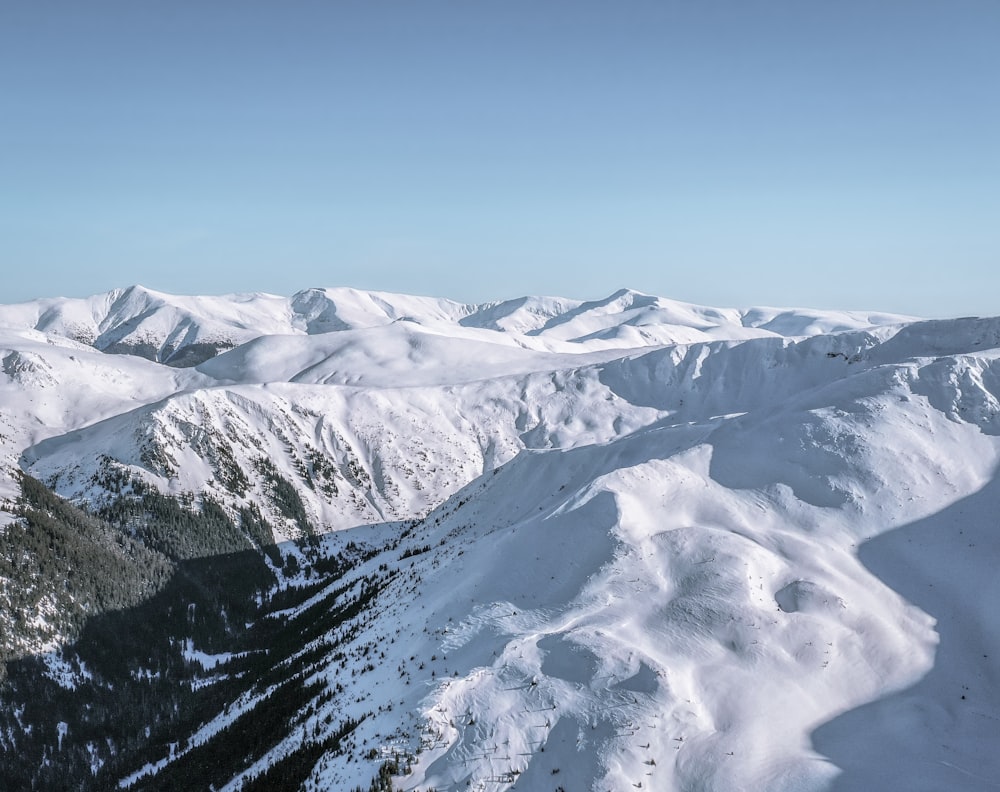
839 155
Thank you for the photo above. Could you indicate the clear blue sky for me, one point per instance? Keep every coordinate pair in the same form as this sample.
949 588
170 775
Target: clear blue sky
830 154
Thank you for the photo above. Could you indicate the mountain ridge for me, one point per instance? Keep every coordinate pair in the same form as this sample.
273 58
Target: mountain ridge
158 325
547 543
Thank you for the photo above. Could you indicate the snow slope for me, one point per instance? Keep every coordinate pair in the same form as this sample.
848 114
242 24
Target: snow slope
686 607
50 385
663 546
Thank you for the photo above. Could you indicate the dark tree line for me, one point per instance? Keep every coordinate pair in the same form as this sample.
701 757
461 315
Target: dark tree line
140 583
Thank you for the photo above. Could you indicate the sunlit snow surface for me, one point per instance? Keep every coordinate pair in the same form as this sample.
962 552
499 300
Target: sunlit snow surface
672 546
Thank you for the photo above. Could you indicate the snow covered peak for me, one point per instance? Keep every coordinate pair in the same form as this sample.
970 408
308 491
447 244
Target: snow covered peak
174 329
186 330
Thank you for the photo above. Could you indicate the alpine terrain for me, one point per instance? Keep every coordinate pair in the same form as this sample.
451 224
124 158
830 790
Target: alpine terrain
352 540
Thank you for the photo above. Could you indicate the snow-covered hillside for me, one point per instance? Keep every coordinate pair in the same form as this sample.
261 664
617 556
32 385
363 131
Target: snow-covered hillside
58 379
628 543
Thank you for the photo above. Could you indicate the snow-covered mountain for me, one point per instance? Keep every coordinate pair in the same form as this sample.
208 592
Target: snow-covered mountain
58 377
182 331
627 543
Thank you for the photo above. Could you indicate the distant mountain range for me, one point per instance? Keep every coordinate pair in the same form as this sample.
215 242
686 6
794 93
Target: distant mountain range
364 540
